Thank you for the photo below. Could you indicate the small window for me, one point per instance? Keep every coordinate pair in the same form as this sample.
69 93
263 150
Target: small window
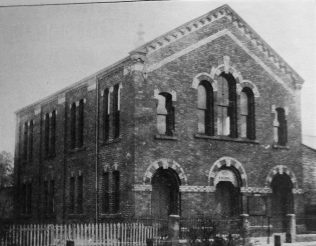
73 126
205 108
247 114
116 111
72 195
80 194
81 123
106 194
106 116
281 127
53 134
116 191
165 114
46 135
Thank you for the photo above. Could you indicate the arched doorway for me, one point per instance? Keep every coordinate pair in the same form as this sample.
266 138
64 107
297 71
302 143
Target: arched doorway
227 193
282 199
165 193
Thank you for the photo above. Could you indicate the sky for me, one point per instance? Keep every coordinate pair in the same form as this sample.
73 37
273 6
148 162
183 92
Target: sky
46 48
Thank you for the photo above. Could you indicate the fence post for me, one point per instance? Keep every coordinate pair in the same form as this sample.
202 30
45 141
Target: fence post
291 228
245 229
173 229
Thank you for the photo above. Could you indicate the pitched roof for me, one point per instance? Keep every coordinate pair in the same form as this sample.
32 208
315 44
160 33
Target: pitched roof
183 30
208 18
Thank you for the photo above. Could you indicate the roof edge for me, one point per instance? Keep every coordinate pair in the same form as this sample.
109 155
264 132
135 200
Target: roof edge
77 84
199 22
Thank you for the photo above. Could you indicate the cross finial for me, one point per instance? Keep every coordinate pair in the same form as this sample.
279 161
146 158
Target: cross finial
140 36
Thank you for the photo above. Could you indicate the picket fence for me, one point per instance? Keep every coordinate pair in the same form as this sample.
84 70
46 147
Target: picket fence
101 234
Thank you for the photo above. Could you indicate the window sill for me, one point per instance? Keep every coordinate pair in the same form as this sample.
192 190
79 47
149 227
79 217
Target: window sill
165 137
110 141
74 150
228 139
276 146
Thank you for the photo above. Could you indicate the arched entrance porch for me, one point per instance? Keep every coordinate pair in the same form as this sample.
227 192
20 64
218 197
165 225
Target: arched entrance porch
165 193
227 193
282 200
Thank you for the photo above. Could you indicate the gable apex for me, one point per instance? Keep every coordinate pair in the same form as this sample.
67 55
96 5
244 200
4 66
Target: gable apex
216 14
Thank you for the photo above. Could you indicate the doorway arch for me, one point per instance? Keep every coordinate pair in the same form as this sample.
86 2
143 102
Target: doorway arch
165 193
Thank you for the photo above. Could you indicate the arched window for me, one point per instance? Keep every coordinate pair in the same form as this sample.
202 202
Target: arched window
46 135
72 195
73 126
53 133
106 117
25 140
247 114
205 108
80 195
106 195
165 114
281 127
31 140
116 191
80 123
227 110
116 111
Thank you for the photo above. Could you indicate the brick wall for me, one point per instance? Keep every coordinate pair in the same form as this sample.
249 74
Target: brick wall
138 146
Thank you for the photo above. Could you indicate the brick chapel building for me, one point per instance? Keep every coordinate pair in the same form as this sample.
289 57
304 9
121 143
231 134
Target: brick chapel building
204 119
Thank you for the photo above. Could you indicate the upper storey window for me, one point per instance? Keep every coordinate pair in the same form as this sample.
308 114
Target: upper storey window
50 134
281 127
27 142
73 125
165 114
205 108
116 111
227 106
247 114
77 124
106 115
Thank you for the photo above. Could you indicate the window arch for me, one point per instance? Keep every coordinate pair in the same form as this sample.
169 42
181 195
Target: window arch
281 127
165 114
226 106
247 114
205 108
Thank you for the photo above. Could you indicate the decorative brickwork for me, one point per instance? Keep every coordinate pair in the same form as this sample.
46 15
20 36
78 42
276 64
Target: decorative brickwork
228 162
165 164
280 169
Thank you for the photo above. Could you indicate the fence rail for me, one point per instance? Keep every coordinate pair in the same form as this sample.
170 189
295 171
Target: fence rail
110 234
